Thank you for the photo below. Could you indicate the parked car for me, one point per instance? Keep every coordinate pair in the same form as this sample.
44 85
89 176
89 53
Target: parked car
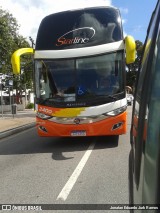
129 99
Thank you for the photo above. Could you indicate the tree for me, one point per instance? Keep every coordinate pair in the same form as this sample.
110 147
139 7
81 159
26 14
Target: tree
133 68
11 40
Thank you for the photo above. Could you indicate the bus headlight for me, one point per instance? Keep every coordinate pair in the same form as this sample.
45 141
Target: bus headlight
116 111
43 116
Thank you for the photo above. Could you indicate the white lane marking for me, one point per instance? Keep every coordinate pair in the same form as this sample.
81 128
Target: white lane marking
72 180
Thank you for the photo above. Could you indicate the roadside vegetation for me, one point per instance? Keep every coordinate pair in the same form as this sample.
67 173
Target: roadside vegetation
11 40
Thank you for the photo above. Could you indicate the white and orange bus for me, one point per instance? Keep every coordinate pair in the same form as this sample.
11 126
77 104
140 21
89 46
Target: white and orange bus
79 74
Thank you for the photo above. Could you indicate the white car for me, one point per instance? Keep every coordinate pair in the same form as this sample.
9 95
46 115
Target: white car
129 99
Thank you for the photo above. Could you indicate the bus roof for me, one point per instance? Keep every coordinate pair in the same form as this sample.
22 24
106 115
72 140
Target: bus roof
83 8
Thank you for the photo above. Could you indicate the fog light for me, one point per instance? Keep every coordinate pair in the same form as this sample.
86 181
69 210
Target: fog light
116 126
43 128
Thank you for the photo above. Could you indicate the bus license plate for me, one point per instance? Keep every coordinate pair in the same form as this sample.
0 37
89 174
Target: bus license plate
78 133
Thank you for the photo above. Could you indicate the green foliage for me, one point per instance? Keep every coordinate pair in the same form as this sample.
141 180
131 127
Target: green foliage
10 40
30 106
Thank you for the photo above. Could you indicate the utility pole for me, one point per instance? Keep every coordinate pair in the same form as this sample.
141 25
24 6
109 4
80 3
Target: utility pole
1 97
33 45
25 89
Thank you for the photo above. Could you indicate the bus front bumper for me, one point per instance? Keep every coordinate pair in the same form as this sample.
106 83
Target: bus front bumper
114 125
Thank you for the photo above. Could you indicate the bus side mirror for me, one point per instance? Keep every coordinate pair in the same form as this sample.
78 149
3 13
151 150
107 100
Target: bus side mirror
130 49
15 58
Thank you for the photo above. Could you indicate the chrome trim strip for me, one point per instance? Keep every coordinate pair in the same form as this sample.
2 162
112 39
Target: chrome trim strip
83 120
79 52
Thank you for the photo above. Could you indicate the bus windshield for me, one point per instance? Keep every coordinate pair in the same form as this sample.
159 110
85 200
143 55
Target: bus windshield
84 28
81 80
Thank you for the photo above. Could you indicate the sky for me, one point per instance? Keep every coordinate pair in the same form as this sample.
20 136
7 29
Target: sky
29 13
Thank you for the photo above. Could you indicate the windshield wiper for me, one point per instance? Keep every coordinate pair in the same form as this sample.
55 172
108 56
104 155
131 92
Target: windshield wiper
111 97
89 98
55 99
107 96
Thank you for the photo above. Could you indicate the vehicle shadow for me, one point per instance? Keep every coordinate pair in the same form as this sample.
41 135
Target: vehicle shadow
82 143
30 143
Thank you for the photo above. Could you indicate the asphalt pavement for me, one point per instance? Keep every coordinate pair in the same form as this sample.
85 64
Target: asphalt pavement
12 124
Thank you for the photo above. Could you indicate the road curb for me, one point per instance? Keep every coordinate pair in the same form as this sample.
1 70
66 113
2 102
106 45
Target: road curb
16 130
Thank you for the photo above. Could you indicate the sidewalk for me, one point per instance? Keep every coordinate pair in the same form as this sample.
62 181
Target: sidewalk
10 124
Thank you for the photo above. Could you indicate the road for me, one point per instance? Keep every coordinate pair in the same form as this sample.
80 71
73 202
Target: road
84 170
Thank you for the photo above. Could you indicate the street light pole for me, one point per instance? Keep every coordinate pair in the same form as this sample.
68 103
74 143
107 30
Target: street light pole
32 41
